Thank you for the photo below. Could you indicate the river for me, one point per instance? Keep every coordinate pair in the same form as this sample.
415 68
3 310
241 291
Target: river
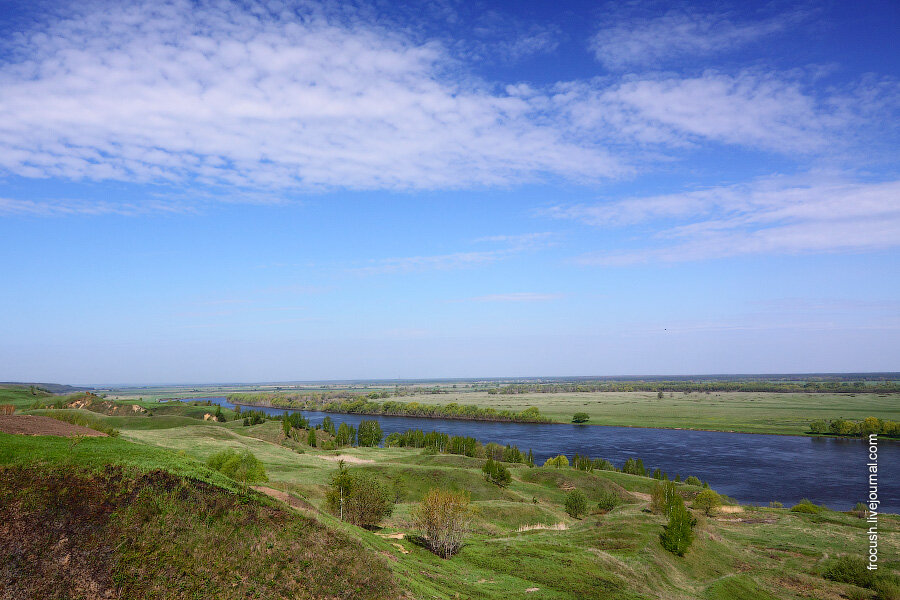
752 468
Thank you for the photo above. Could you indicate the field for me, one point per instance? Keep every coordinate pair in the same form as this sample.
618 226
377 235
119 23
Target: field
786 413
749 412
523 544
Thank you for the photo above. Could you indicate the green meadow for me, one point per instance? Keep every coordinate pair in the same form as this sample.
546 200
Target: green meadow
522 544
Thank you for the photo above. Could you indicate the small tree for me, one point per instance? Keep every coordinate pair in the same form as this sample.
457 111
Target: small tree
328 425
557 461
311 437
691 480
581 417
346 435
286 427
608 500
679 533
663 497
707 501
359 497
496 472
576 504
370 433
444 518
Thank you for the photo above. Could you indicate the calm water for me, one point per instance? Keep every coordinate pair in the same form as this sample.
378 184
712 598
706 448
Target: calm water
749 467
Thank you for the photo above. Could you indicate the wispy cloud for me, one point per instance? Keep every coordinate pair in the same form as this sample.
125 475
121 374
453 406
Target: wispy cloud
60 208
676 34
220 94
811 214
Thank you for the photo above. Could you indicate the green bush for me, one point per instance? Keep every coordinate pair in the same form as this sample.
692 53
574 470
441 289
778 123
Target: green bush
707 501
608 501
557 461
807 507
359 497
576 504
581 417
679 533
496 472
693 481
241 466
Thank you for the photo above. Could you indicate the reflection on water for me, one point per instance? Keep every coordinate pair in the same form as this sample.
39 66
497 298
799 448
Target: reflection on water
749 467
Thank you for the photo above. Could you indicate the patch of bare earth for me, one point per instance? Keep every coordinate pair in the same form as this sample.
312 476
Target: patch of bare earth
35 425
292 501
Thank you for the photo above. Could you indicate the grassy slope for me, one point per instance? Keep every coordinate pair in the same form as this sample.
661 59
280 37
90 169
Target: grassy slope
750 412
760 554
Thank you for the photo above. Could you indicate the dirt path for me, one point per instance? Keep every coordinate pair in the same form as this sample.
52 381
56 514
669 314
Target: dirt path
35 425
291 501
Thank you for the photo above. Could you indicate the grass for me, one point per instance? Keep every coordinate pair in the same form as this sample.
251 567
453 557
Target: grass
748 412
757 554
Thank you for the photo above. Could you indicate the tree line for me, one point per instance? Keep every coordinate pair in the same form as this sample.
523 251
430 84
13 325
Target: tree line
340 402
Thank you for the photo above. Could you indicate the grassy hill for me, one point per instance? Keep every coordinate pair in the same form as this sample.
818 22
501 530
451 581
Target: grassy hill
196 533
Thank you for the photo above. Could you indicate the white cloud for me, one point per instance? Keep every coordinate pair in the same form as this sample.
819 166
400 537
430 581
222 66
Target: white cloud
811 214
770 111
255 102
59 208
173 92
674 35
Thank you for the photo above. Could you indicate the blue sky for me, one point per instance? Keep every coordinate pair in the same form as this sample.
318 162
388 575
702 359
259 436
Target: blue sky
214 191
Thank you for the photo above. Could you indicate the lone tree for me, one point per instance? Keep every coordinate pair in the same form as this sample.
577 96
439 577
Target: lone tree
444 518
707 501
359 497
581 417
576 504
679 533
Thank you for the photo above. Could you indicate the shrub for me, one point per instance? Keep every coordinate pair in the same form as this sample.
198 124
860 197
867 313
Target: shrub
557 461
692 481
608 501
581 417
849 569
311 437
7 409
444 518
241 466
496 472
707 501
576 504
818 426
775 504
679 533
359 497
807 507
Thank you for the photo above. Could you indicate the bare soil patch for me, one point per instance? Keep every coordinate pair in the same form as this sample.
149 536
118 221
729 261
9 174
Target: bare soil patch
291 501
105 407
35 425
